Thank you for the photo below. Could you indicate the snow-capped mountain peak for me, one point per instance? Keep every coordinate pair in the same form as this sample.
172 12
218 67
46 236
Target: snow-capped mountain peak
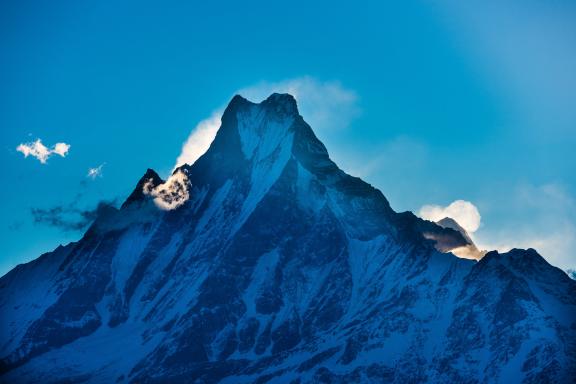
264 262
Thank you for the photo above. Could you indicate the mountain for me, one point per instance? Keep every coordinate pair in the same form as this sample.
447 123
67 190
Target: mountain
264 262
467 251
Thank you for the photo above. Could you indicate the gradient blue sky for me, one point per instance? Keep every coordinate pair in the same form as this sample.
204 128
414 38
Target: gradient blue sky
430 101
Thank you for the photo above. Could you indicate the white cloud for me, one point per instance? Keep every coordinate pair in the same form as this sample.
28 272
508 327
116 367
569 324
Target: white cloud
61 149
200 139
41 152
35 149
93 173
464 212
171 194
324 105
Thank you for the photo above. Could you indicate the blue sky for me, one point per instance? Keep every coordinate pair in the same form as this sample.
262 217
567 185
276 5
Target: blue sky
431 102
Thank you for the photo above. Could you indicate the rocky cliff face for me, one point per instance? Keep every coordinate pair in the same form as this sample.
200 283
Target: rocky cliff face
264 262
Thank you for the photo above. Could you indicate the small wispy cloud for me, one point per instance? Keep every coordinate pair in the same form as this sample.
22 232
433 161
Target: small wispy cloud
200 139
464 212
41 152
69 217
95 172
324 105
15 226
61 149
